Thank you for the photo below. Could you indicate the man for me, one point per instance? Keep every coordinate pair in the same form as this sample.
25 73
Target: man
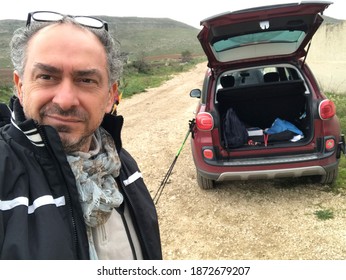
68 190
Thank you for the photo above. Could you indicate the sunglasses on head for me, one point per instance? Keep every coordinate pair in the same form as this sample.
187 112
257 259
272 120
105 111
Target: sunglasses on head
46 16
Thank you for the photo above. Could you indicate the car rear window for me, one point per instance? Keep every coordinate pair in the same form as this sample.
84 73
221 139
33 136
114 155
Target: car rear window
268 37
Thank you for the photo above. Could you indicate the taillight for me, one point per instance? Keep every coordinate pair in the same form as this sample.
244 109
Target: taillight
326 109
208 153
204 121
329 144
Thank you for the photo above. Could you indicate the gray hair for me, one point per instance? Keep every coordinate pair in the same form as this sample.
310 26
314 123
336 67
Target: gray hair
21 37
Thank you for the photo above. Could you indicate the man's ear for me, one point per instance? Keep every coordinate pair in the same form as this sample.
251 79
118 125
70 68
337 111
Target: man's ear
113 94
18 85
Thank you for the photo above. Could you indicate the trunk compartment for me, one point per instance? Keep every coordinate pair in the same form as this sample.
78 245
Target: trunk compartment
259 105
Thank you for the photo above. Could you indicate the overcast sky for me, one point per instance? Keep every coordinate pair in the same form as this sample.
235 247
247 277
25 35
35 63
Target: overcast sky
187 11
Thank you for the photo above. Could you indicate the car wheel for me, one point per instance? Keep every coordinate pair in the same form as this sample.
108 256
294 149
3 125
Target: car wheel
330 177
204 183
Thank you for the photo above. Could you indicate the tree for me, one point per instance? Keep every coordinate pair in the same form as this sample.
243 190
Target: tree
186 56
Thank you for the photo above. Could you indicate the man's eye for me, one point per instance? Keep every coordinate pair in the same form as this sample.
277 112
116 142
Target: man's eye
87 81
45 77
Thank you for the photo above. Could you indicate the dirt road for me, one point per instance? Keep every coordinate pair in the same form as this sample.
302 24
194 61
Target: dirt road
240 220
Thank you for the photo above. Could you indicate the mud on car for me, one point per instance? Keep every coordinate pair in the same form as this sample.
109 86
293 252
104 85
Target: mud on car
257 69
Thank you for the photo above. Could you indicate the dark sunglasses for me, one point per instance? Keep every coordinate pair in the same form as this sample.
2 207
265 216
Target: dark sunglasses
46 16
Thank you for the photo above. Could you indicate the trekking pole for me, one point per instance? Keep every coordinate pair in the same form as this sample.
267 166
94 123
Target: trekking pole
165 179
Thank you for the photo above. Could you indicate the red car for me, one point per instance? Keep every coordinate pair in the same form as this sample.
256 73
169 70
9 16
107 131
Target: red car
258 81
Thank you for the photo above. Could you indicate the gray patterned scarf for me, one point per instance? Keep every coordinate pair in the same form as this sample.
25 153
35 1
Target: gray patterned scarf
95 174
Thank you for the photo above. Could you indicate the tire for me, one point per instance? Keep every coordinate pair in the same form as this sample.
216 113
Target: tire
330 177
204 183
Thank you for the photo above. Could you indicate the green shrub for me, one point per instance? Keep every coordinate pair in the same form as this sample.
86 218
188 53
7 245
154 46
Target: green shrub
5 93
325 214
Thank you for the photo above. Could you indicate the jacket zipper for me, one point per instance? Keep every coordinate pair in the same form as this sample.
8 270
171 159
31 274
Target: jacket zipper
68 197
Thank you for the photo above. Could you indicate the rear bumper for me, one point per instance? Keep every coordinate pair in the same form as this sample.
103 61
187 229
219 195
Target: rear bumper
269 174
268 167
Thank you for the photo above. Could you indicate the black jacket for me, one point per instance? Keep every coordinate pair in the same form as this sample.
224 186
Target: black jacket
40 214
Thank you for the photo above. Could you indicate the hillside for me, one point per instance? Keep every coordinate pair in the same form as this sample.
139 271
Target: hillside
7 27
138 36
154 36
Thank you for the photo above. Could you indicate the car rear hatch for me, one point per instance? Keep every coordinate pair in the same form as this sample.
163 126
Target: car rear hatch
261 33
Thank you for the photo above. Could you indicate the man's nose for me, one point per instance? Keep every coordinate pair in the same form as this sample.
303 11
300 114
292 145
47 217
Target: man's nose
66 95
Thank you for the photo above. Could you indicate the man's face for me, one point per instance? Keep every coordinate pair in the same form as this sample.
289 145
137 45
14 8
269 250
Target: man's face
65 83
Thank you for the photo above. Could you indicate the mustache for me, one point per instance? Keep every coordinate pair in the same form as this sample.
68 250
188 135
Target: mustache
54 109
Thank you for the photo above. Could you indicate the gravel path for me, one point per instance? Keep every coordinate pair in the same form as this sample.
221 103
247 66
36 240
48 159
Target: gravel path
258 220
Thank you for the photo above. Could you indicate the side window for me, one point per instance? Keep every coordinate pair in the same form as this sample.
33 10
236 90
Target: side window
293 74
250 77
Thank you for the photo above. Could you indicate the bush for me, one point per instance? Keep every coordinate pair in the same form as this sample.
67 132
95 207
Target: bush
186 56
141 66
5 93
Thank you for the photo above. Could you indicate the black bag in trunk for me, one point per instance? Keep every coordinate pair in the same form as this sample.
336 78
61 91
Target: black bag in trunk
234 131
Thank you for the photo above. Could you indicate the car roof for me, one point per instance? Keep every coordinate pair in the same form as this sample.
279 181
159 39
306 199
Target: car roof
255 34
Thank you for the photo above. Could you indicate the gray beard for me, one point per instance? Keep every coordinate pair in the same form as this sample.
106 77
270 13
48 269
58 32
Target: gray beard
74 147
69 147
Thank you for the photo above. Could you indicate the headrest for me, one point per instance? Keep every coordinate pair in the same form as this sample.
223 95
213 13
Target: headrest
271 77
227 81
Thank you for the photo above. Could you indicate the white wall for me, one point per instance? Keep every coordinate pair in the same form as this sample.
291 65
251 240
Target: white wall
327 57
